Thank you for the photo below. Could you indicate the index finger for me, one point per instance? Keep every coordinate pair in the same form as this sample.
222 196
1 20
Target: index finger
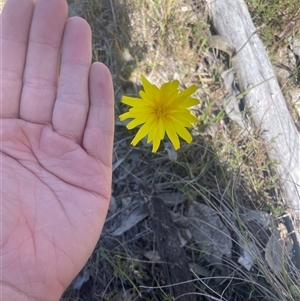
99 131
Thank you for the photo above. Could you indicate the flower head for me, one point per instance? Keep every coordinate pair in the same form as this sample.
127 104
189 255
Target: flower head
161 111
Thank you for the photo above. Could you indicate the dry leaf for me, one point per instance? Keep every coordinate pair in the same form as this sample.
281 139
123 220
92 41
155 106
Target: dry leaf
138 212
152 255
211 235
231 105
274 253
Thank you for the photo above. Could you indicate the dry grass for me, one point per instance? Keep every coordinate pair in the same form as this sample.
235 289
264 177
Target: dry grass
225 167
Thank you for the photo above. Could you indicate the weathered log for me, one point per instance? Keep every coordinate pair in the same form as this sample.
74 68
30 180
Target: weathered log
263 97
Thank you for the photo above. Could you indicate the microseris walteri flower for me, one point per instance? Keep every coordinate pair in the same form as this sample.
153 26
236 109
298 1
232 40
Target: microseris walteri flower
161 111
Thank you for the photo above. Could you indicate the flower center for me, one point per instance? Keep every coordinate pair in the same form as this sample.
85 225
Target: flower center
160 112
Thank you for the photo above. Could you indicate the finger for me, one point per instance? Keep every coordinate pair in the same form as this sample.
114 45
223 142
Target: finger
72 103
99 131
14 36
41 70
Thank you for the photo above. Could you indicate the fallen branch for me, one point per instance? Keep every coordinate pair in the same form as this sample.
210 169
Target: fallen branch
174 263
263 98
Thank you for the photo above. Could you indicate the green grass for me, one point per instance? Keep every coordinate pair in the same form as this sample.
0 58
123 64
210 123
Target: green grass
164 40
277 21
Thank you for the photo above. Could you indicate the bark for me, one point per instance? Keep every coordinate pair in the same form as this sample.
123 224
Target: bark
174 263
264 98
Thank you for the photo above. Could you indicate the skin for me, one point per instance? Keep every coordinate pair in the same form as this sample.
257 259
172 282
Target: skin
56 149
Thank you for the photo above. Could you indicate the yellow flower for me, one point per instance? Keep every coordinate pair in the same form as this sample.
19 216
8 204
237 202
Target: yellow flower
159 111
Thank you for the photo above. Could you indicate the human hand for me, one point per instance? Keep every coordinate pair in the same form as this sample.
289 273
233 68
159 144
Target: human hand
56 147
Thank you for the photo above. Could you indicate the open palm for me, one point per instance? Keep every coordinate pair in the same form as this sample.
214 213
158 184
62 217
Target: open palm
56 144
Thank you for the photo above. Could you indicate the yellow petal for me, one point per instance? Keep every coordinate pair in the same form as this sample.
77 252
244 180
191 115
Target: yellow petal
126 115
161 129
140 112
189 91
156 144
156 133
151 135
183 133
146 99
188 102
152 129
193 119
172 134
186 117
134 123
181 121
169 90
151 90
136 113
131 101
142 132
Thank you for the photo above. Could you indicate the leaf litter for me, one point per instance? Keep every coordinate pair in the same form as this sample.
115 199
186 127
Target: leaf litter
230 243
